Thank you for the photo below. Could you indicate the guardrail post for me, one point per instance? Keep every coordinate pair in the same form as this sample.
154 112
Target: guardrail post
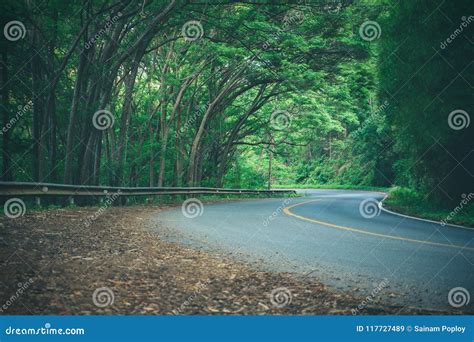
38 201
71 200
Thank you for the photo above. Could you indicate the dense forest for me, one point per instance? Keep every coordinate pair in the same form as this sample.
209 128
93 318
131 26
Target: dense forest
239 93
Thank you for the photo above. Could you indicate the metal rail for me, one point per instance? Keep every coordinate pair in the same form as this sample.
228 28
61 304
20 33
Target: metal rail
48 189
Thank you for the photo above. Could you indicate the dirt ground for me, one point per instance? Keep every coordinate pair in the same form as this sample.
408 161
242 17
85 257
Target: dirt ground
95 261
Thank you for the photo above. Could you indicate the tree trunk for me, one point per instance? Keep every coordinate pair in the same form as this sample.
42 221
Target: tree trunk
177 162
38 106
151 161
71 128
207 115
270 163
256 104
166 128
7 174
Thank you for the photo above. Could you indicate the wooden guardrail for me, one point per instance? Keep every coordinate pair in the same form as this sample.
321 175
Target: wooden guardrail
48 189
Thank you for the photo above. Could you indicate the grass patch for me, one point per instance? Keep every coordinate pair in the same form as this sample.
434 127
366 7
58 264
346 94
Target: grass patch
332 186
410 202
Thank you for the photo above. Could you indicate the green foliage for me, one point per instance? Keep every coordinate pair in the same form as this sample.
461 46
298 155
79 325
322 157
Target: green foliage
355 113
414 203
425 82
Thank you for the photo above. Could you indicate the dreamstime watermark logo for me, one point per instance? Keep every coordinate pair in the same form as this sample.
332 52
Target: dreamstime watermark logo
276 212
192 208
333 7
21 111
382 108
280 119
108 202
370 30
458 119
198 112
458 297
14 208
369 208
103 30
465 200
281 297
192 30
14 30
199 287
141 8
46 330
465 23
103 119
22 287
371 297
293 17
103 296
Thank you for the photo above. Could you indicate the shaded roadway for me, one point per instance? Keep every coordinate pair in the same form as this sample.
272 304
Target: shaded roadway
329 235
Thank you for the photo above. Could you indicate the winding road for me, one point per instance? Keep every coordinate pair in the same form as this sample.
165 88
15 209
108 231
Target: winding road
340 237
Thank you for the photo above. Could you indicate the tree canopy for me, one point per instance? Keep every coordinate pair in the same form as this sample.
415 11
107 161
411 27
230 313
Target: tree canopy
238 93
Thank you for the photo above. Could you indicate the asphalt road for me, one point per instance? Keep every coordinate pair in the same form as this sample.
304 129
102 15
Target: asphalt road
331 235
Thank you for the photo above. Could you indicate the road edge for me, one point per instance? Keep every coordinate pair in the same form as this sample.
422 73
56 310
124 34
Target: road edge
394 212
418 218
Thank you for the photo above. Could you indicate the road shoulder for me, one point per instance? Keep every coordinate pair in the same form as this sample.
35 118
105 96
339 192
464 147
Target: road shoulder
61 258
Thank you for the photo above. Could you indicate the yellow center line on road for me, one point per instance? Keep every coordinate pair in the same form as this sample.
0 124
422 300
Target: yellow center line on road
287 211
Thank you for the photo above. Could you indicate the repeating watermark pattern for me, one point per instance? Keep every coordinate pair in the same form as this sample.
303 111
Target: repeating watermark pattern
281 297
276 212
22 287
458 119
465 23
107 203
465 200
14 208
198 112
333 7
192 208
21 111
103 30
370 30
293 17
199 287
103 296
327 6
280 120
458 297
14 30
382 108
192 30
103 119
371 297
142 11
369 208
